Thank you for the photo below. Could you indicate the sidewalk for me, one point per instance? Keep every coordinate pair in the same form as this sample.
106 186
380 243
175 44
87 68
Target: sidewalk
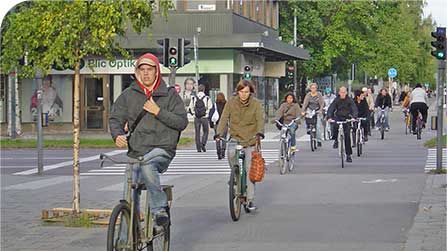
428 232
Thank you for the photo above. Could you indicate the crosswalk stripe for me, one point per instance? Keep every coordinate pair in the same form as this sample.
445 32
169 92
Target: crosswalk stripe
431 162
187 162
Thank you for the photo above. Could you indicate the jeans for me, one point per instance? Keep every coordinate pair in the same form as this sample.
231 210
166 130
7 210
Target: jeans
233 161
155 162
379 114
316 120
292 131
198 123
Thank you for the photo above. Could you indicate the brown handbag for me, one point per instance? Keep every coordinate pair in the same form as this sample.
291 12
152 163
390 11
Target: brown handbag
257 168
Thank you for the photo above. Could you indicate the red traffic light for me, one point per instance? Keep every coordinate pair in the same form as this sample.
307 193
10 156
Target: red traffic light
172 50
290 68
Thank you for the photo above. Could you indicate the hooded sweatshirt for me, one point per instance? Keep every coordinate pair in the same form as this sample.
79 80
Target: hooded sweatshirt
153 131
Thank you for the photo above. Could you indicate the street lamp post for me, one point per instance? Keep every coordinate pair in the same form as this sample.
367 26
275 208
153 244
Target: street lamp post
196 52
38 79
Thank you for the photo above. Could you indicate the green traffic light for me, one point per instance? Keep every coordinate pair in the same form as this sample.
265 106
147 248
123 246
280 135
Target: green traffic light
247 76
172 61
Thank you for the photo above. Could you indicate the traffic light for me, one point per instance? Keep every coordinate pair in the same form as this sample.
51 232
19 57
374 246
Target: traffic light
247 72
183 51
173 55
439 44
290 70
164 43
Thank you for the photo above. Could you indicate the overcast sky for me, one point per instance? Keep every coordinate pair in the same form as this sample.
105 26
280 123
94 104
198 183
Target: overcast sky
438 10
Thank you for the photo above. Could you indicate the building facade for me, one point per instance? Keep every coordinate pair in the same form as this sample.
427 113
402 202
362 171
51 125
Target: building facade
232 34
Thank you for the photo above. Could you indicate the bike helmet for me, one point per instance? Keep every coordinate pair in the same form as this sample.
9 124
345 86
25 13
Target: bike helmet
327 90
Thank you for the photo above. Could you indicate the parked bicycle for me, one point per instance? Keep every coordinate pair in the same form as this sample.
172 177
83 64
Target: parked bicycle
341 139
129 229
358 135
311 121
286 155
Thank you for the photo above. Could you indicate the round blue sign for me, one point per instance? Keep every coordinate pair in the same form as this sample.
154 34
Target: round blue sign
392 72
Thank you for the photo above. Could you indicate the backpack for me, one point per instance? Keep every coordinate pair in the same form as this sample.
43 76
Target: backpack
200 108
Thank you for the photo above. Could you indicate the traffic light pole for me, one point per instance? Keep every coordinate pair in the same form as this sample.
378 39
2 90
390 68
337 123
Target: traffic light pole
172 76
295 84
440 103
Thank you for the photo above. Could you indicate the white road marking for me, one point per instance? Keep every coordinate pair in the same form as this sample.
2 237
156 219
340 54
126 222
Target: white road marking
379 181
32 185
67 163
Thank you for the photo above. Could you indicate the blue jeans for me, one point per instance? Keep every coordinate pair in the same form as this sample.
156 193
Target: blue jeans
379 114
155 162
292 130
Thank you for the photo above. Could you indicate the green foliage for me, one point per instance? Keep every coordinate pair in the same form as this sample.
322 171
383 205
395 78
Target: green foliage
61 33
432 142
375 35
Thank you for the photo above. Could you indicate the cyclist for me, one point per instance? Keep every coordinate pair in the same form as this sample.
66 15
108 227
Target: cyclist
288 111
383 101
363 111
314 101
341 109
243 115
164 115
418 102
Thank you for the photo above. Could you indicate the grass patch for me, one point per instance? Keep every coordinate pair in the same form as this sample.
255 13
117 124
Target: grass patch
432 142
68 143
82 220
435 171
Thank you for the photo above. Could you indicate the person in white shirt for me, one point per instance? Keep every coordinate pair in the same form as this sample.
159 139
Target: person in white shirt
200 107
418 102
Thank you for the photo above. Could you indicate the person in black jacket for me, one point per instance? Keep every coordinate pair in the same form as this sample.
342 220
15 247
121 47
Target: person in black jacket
218 108
383 101
363 111
341 109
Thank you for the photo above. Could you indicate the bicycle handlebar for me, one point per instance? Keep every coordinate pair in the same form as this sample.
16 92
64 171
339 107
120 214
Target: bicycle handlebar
287 125
104 156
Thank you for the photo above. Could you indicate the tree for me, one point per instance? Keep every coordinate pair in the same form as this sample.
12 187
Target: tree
62 33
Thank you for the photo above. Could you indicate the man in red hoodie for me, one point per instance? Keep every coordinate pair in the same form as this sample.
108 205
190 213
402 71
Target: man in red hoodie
154 138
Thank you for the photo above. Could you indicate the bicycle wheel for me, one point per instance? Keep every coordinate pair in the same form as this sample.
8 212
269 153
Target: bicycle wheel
161 240
234 192
291 161
359 142
312 139
283 158
418 128
406 124
382 132
342 151
117 232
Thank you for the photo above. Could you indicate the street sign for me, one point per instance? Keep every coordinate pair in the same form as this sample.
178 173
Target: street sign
392 72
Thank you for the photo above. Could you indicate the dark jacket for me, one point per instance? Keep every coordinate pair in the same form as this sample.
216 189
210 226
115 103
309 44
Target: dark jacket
220 108
342 109
244 120
383 101
363 108
161 131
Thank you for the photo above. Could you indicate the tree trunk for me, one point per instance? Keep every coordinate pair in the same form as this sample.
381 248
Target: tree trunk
76 140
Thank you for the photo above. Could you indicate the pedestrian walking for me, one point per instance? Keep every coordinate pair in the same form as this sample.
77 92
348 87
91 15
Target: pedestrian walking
215 115
200 107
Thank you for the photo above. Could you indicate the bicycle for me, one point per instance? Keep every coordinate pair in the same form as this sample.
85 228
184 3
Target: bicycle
341 139
311 121
382 123
327 130
419 125
358 135
237 190
286 155
129 229
407 119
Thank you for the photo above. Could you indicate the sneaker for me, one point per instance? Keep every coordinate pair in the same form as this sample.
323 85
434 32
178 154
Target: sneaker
203 149
251 206
293 148
348 159
162 218
319 144
335 146
414 132
387 129
377 128
365 138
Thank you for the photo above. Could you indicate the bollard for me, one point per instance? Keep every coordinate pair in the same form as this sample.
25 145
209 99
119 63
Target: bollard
434 123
